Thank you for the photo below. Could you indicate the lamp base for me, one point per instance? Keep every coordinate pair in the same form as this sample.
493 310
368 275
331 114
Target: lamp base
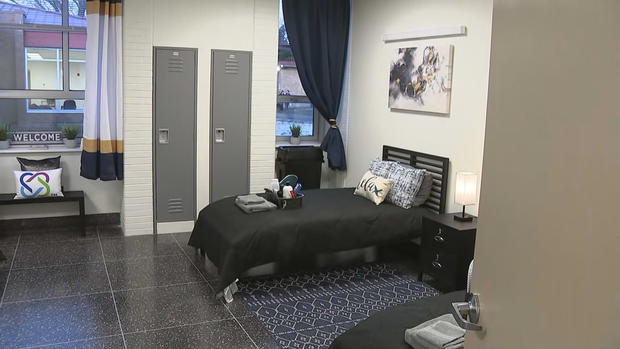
463 218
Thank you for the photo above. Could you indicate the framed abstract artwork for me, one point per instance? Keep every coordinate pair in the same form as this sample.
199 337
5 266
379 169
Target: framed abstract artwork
421 79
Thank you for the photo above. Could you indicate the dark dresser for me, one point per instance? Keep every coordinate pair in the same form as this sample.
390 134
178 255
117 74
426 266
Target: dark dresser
446 251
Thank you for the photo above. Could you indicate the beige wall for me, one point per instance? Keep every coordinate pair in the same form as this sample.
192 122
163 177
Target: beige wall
548 242
250 25
371 123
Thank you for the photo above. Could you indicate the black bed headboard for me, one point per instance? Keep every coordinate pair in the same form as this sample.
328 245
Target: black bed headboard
438 166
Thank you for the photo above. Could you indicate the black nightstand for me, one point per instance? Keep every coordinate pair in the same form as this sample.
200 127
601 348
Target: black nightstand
446 251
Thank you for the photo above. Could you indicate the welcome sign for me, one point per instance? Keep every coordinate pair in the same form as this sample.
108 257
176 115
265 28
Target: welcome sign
36 137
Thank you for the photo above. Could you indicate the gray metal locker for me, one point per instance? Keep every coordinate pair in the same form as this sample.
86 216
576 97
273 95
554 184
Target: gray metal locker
231 77
174 127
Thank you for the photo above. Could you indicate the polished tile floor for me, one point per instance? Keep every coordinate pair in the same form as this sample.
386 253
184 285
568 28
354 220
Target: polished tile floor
61 290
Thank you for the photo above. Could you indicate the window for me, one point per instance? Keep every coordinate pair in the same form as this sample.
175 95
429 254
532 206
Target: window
42 64
293 106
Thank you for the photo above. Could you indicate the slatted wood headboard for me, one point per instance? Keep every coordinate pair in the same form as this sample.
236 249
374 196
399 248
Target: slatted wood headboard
438 166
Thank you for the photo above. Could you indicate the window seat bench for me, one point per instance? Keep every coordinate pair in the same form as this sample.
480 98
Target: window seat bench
8 199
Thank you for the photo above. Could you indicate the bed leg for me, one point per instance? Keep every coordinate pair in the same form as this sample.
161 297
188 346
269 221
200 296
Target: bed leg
230 290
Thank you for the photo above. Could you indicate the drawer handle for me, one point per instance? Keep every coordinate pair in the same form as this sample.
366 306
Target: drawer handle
437 265
439 238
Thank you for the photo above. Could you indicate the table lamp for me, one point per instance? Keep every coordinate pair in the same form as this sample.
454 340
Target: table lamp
466 193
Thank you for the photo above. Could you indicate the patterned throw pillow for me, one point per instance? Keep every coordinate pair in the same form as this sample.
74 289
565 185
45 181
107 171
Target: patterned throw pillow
373 188
381 167
36 184
407 181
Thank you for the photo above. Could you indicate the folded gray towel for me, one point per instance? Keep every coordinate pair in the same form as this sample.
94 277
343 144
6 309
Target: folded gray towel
440 333
250 199
252 208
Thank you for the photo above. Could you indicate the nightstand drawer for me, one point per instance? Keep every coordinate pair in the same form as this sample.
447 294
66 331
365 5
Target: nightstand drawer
437 236
442 266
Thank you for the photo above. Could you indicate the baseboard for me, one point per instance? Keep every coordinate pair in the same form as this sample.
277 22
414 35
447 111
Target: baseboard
91 219
175 227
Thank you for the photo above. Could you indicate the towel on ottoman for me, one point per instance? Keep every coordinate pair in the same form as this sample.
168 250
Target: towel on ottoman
440 333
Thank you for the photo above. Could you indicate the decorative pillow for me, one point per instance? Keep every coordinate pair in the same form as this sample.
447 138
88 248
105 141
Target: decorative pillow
35 184
39 165
381 167
373 188
425 190
407 182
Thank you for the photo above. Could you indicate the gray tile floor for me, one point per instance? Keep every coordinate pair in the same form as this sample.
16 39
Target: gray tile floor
61 290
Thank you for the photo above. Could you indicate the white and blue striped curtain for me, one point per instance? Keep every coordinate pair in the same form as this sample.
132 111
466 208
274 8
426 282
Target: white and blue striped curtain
102 155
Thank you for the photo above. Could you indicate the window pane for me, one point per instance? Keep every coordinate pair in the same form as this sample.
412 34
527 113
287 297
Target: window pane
288 78
47 105
43 68
40 114
77 13
30 60
77 61
289 114
12 59
31 12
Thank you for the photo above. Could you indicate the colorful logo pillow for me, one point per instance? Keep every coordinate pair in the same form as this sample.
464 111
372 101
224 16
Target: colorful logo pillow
373 188
37 184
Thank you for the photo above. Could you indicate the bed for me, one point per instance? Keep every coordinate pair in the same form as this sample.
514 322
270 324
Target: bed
386 329
330 220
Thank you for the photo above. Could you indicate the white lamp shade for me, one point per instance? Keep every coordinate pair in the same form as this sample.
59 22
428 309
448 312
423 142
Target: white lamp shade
466 188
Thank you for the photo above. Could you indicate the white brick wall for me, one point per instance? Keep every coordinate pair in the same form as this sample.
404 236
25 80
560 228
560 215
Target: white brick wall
137 210
139 28
265 58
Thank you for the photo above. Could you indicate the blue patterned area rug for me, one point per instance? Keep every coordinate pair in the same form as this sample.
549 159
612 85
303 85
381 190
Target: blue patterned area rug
310 310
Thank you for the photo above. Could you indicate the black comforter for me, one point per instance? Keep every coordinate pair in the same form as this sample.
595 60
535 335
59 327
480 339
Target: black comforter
386 329
330 220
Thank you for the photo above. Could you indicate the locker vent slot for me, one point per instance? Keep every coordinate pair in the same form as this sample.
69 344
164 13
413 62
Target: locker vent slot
175 205
175 64
231 66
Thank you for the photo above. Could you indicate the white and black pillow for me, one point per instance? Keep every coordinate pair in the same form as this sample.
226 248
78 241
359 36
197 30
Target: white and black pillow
381 167
407 180
373 187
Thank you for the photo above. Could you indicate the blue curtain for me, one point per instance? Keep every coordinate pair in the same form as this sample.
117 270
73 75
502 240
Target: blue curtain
318 32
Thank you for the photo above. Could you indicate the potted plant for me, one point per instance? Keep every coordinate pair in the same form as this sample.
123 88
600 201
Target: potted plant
70 133
295 134
4 137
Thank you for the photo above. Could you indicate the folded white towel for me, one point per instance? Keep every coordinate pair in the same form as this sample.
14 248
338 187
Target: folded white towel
440 333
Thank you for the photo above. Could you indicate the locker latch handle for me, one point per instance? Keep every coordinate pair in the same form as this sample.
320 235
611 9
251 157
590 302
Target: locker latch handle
220 135
163 136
